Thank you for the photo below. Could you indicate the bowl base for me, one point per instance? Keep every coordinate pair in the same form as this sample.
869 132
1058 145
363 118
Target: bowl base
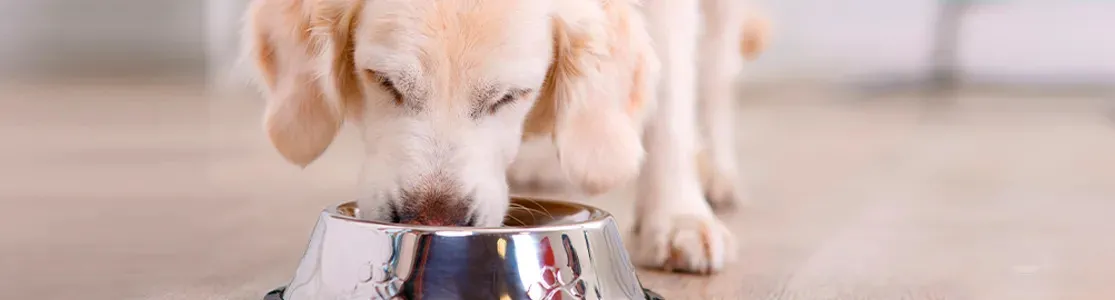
277 294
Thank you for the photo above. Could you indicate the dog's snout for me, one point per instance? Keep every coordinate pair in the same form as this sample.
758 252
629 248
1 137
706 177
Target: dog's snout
433 209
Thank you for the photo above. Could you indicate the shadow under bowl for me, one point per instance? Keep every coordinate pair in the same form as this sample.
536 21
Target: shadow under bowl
546 250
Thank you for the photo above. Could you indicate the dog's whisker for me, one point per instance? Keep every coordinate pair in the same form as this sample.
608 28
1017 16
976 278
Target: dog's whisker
517 219
543 207
529 211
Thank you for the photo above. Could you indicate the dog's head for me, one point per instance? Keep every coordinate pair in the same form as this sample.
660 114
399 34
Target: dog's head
444 92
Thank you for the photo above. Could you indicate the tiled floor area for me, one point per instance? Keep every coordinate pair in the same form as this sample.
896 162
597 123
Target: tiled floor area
164 192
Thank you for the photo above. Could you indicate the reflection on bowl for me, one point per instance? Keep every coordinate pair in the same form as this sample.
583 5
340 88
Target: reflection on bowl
547 250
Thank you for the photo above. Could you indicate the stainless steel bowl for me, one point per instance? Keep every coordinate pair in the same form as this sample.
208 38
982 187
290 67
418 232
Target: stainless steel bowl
549 250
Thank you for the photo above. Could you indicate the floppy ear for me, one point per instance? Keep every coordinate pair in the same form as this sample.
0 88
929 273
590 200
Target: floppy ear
597 89
303 56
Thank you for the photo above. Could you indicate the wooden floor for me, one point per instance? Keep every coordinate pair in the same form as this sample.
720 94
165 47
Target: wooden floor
163 192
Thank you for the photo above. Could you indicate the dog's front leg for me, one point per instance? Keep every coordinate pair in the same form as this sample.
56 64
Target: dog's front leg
720 62
675 228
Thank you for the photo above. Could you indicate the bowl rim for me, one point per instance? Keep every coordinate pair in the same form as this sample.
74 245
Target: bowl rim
598 218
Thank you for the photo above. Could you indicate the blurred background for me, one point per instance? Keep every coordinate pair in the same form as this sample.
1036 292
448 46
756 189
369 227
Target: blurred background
923 149
988 41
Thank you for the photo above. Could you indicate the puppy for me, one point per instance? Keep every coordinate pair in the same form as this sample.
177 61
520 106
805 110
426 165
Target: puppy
444 92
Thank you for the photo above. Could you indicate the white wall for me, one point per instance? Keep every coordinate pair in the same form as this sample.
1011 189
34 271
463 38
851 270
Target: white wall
12 13
1042 41
102 37
223 22
820 39
842 40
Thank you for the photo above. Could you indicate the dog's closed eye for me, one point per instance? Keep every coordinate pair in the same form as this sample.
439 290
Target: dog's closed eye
509 97
387 85
492 100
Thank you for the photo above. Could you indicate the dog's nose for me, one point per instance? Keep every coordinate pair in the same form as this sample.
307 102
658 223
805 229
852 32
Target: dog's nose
434 217
434 210
434 220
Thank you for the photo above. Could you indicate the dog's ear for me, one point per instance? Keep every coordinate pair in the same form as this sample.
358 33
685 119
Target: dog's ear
303 56
597 89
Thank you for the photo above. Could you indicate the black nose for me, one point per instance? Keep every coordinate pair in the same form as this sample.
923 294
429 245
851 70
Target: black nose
433 211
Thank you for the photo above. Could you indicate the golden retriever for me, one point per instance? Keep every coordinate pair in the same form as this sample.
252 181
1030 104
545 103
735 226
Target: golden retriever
445 92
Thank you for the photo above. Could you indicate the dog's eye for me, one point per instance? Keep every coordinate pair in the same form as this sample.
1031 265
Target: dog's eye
507 98
387 85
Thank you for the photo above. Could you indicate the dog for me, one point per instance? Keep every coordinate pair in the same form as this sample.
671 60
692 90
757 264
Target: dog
444 92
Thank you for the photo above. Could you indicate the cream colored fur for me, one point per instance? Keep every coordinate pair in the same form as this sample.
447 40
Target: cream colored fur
445 92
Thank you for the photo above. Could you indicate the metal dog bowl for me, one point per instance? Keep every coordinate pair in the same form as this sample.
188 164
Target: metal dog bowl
547 250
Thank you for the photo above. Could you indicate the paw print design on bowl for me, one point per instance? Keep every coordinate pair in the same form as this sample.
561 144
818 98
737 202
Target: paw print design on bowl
383 278
558 282
385 283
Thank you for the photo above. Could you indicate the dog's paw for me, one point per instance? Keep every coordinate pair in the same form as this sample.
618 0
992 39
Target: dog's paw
691 243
